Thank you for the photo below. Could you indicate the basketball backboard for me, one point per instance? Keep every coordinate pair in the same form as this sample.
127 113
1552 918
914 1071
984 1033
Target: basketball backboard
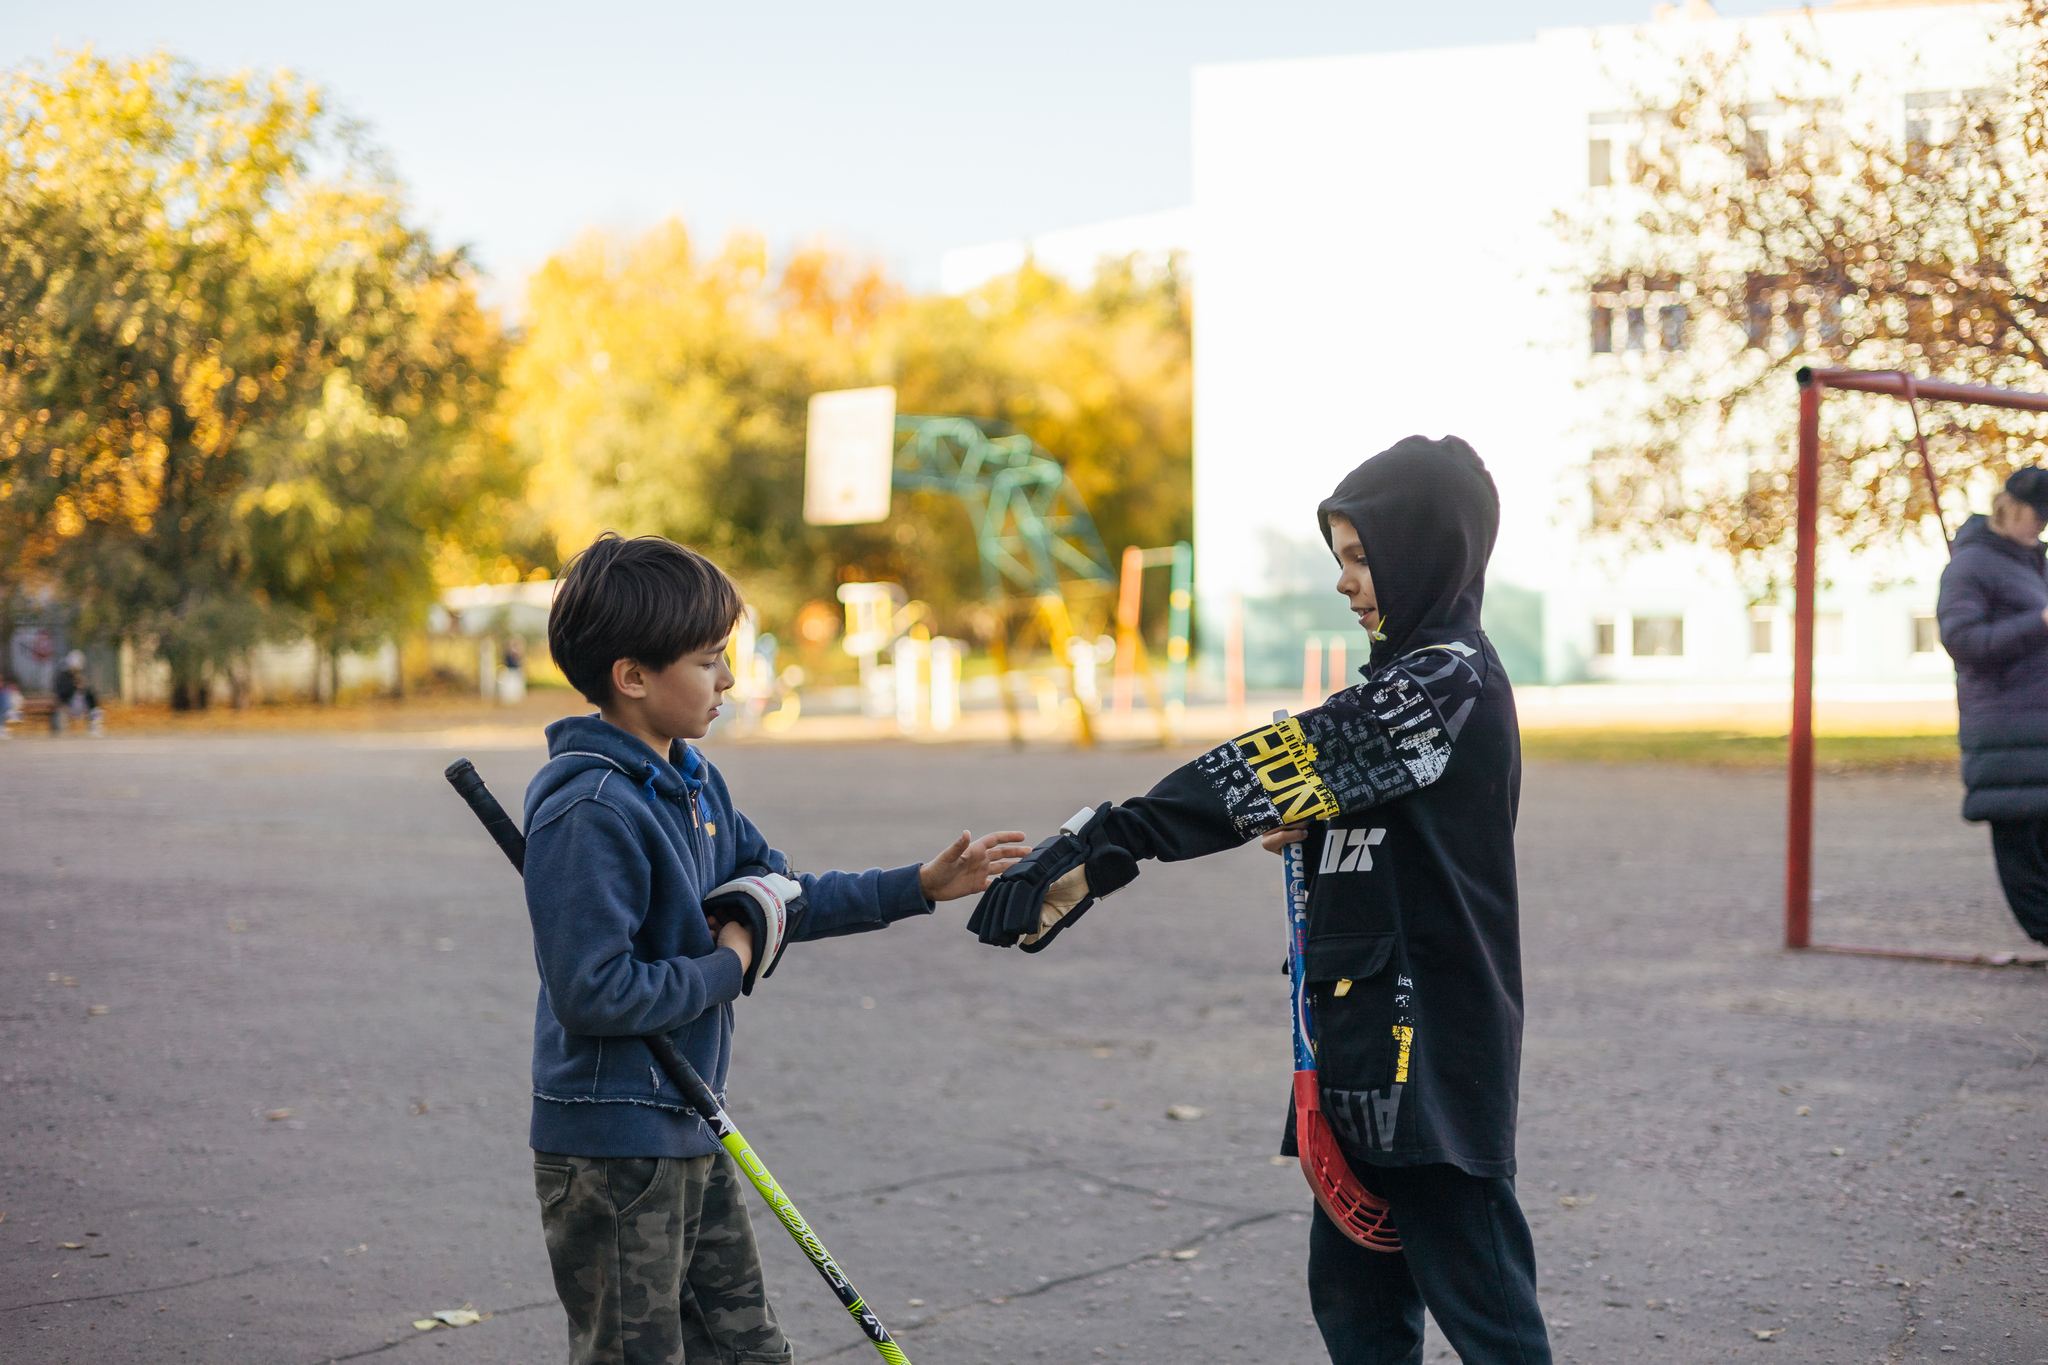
848 456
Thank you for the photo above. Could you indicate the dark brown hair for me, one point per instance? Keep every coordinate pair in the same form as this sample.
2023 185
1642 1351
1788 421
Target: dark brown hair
647 599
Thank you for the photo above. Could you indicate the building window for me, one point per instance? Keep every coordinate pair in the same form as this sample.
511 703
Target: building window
1830 635
1658 637
1758 311
1603 637
1626 143
1763 626
1926 633
1627 314
1603 330
1756 153
1671 326
1935 119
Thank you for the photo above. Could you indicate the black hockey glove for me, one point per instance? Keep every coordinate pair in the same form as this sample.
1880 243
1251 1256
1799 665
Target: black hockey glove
1051 887
767 904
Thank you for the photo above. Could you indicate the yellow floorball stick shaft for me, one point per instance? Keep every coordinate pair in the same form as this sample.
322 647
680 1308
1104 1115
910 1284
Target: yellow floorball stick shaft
764 1183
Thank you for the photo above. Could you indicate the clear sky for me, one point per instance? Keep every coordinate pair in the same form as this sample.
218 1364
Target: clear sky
898 128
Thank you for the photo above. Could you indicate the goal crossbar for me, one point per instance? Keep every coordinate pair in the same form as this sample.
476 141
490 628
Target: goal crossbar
1813 384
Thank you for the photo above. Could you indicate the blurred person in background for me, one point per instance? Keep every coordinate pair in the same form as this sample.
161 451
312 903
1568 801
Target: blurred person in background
1993 613
75 698
10 706
512 671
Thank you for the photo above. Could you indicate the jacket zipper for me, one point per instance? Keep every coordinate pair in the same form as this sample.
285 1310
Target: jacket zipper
696 824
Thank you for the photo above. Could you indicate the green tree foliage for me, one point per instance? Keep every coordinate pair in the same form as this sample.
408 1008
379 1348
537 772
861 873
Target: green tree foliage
1771 221
240 397
661 389
1102 377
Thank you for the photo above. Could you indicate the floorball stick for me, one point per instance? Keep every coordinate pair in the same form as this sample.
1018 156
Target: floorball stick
1359 1213
463 776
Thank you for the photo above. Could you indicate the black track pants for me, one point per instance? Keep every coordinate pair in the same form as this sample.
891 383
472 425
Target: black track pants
1465 1252
2020 848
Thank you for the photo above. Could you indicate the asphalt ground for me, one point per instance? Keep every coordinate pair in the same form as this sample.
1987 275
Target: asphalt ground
264 1024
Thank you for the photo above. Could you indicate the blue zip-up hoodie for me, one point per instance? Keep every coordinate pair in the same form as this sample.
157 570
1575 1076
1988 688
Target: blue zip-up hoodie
621 848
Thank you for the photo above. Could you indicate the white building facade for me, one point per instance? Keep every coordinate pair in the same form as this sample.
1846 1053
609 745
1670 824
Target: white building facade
1376 256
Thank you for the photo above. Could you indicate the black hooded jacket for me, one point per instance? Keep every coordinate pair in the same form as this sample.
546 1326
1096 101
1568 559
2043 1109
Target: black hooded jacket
1410 782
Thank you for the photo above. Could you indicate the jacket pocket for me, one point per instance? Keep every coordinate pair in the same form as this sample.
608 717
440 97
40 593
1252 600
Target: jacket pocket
1353 984
1338 957
550 1183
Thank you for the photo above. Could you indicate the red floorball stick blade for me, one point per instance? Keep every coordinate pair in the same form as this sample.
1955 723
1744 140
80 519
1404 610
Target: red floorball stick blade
1360 1214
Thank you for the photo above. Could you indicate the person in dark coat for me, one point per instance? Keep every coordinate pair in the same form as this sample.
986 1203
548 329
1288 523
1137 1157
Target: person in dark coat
1405 790
1993 612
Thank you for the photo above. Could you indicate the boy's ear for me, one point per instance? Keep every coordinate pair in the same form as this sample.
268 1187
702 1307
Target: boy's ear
629 679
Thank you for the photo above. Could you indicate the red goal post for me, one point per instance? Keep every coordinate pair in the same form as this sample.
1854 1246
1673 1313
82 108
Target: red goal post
1813 384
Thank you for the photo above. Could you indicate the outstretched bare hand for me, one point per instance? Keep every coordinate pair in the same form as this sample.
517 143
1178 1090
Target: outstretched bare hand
968 864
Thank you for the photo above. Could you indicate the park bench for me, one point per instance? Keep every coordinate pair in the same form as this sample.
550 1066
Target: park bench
34 709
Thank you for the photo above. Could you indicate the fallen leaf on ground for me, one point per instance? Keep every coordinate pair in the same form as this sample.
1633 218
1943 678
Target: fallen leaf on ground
1766 1333
1183 1112
458 1317
1188 1254
1804 1110
275 1114
1572 1201
95 1009
73 1246
1837 1151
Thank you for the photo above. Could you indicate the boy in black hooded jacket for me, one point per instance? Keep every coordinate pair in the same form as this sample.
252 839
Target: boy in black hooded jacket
1405 790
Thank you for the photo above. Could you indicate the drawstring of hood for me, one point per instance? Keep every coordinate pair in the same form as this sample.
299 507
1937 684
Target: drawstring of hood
690 769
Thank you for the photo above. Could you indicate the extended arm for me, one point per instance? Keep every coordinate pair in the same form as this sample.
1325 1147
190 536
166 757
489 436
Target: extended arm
1370 744
835 903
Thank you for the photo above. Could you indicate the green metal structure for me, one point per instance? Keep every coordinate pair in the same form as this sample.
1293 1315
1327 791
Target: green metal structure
1031 527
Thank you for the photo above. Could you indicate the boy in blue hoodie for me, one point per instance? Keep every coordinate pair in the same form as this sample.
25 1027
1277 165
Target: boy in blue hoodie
628 828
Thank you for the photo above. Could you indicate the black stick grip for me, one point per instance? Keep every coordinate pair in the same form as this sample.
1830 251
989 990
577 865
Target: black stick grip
695 1092
469 785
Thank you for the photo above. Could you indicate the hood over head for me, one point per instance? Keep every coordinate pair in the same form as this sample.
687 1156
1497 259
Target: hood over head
1427 513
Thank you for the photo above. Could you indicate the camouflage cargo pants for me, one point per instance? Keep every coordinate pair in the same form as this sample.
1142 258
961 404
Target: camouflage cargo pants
655 1261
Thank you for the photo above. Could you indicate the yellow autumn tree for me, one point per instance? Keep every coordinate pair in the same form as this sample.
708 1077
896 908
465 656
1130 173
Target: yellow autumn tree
660 388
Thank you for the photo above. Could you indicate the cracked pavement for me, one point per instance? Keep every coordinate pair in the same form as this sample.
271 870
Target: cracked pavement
299 1123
